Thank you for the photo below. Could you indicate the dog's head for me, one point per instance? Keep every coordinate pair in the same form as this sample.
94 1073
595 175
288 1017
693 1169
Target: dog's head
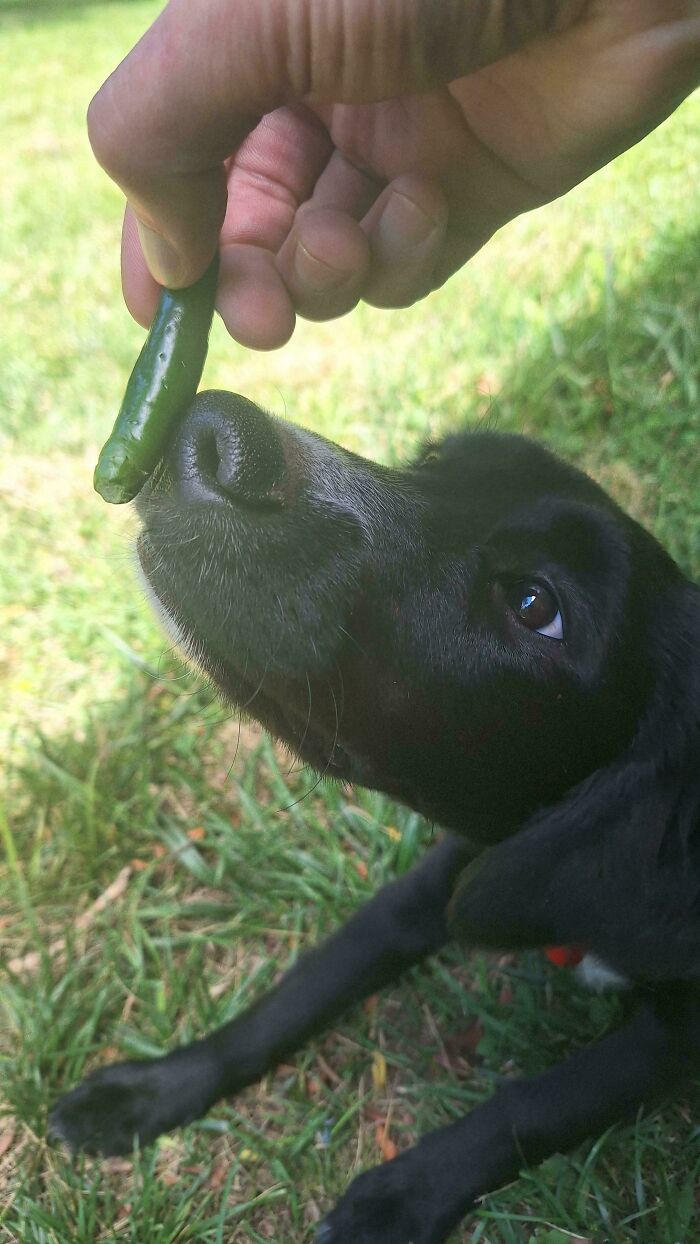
474 634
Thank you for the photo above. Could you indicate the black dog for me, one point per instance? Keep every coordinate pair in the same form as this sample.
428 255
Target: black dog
488 638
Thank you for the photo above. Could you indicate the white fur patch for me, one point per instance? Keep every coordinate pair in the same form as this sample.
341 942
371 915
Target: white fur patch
172 628
595 974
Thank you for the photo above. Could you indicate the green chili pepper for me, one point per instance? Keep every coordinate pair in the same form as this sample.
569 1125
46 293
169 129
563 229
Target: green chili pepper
161 386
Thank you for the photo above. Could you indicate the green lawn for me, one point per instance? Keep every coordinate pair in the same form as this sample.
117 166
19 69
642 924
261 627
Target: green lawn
123 781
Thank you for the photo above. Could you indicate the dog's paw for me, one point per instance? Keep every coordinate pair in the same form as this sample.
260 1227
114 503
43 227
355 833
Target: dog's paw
390 1204
130 1101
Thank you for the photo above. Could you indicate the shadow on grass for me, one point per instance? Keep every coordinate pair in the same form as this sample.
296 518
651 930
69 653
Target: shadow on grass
92 796
617 391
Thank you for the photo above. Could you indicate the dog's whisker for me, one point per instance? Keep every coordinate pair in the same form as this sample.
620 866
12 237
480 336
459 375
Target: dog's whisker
234 758
299 747
342 630
341 678
327 766
334 744
302 798
247 703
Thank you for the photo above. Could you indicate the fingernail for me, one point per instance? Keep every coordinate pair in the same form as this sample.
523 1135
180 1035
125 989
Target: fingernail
162 258
314 273
403 225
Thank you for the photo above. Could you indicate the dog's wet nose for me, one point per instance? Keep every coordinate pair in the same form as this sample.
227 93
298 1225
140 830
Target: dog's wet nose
227 449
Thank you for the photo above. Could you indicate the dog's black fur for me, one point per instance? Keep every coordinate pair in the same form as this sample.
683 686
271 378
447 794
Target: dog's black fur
383 624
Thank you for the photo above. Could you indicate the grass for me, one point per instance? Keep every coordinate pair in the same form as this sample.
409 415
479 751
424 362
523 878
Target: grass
153 876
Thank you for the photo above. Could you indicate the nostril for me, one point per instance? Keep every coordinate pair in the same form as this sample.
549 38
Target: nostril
228 449
207 454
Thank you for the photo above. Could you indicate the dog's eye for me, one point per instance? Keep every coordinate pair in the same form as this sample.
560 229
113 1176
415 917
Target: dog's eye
537 608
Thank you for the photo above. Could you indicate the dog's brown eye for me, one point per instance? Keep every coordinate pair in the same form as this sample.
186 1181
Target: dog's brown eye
537 608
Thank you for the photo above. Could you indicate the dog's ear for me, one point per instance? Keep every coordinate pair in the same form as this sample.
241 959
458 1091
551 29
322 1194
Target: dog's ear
614 866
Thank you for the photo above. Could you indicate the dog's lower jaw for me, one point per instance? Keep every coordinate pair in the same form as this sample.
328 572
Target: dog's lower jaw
172 628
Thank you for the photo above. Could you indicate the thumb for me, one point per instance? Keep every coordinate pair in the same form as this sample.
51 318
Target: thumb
178 225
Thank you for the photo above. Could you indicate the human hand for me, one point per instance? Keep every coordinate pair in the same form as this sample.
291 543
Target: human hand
366 149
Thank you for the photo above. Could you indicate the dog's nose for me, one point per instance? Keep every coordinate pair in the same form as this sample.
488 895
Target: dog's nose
228 450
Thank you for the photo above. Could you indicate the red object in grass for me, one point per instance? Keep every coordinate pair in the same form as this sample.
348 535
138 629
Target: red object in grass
565 956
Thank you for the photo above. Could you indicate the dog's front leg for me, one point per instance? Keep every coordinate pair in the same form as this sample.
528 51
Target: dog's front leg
422 1195
399 927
